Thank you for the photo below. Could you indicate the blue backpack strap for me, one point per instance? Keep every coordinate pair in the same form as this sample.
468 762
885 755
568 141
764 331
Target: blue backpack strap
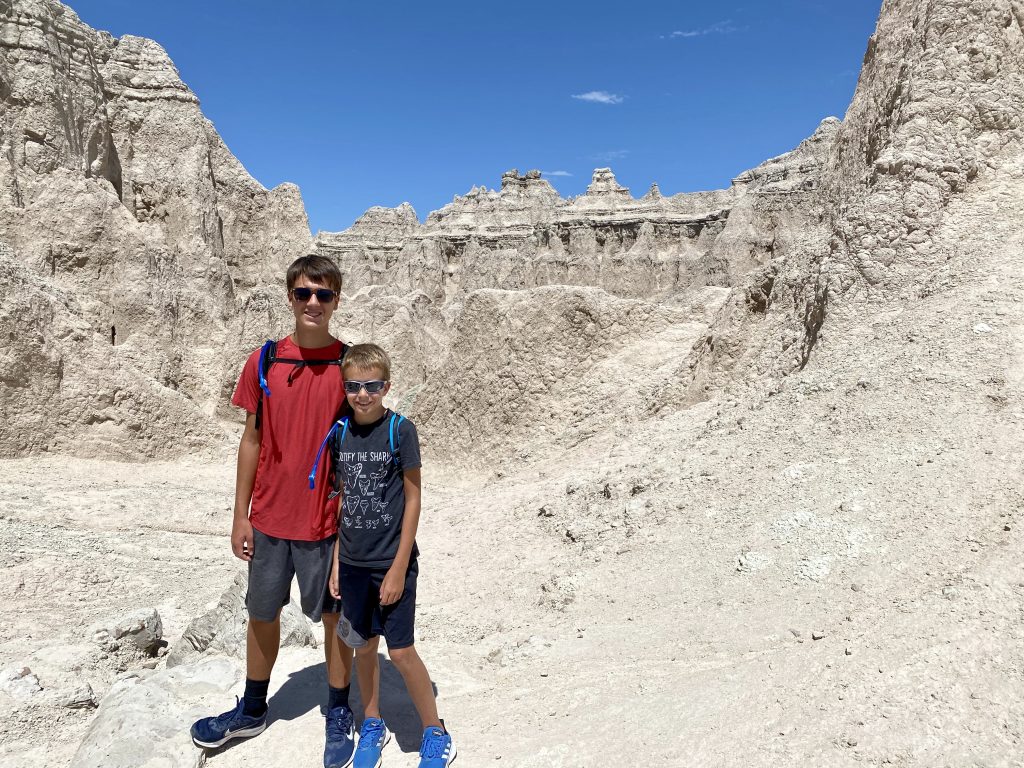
394 439
268 352
343 423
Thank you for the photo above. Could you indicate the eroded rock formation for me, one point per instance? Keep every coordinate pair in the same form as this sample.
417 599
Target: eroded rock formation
150 260
133 239
937 108
525 235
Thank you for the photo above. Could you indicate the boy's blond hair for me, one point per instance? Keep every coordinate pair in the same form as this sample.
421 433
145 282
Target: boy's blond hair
367 356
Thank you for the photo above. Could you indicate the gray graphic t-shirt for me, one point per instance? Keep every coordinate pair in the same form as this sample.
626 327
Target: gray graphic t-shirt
373 495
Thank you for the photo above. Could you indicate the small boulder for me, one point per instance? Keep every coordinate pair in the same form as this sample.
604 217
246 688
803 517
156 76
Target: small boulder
141 631
81 698
19 682
144 722
222 630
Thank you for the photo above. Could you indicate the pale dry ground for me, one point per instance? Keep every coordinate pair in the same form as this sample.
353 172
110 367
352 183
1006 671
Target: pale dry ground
84 540
656 589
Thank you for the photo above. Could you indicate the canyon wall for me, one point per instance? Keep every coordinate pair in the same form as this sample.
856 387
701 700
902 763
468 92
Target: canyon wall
125 217
142 262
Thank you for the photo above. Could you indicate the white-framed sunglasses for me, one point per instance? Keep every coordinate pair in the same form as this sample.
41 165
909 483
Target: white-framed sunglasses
372 387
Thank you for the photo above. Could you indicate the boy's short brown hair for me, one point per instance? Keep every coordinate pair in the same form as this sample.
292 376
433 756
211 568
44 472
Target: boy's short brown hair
367 356
316 269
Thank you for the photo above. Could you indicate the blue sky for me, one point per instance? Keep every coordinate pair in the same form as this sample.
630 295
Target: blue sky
366 104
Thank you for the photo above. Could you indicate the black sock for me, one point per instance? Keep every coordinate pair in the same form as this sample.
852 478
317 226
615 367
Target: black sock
254 701
337 697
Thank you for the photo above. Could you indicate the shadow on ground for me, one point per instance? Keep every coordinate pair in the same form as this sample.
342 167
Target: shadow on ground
306 689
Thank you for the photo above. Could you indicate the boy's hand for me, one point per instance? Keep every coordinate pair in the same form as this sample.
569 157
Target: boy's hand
392 587
241 539
332 583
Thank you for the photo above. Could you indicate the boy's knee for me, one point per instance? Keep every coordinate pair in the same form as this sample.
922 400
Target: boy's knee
370 649
403 657
263 624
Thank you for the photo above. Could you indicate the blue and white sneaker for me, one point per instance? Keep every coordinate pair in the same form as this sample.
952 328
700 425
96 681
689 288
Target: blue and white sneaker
341 738
437 750
372 737
213 732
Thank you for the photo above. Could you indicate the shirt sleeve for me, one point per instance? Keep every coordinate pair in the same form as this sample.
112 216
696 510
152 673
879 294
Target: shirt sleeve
247 391
408 445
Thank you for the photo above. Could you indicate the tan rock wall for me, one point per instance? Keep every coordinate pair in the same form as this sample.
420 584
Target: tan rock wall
116 190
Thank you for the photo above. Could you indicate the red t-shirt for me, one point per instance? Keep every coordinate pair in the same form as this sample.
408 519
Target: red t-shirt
296 417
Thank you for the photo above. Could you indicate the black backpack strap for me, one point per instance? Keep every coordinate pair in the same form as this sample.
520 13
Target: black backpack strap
268 356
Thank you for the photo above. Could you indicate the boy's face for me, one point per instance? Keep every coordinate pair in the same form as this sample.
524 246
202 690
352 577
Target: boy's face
366 406
311 313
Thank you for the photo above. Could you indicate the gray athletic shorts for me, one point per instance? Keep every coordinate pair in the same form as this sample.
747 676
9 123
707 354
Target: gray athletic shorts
274 563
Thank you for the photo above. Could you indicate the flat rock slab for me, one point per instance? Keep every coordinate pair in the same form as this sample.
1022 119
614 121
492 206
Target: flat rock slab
143 722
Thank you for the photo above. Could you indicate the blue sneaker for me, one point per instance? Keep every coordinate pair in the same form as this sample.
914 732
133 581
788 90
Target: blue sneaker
372 737
437 750
213 732
341 738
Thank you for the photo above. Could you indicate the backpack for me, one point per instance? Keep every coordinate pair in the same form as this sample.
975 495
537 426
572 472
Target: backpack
268 356
393 440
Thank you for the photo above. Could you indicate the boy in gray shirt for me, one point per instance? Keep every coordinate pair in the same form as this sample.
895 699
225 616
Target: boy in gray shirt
377 470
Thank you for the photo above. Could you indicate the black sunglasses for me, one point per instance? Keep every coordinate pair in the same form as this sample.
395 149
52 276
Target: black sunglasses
373 387
323 295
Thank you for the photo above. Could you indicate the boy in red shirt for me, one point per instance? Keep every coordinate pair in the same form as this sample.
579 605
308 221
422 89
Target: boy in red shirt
280 528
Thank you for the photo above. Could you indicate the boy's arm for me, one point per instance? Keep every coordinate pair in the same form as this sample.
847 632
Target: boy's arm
394 581
332 583
245 479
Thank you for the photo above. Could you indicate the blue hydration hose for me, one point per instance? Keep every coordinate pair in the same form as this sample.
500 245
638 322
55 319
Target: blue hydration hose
343 423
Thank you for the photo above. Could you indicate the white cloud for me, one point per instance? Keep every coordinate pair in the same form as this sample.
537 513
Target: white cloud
607 157
599 97
556 173
719 28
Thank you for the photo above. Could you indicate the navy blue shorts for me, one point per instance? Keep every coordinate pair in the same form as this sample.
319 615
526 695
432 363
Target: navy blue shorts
360 603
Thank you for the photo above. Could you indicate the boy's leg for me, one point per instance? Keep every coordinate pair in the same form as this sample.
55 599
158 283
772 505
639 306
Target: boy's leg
373 734
417 682
437 750
270 575
368 671
262 642
313 570
399 621
360 597
337 654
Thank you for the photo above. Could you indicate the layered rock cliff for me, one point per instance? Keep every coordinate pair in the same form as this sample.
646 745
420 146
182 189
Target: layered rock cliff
144 261
127 219
525 235
123 212
935 113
